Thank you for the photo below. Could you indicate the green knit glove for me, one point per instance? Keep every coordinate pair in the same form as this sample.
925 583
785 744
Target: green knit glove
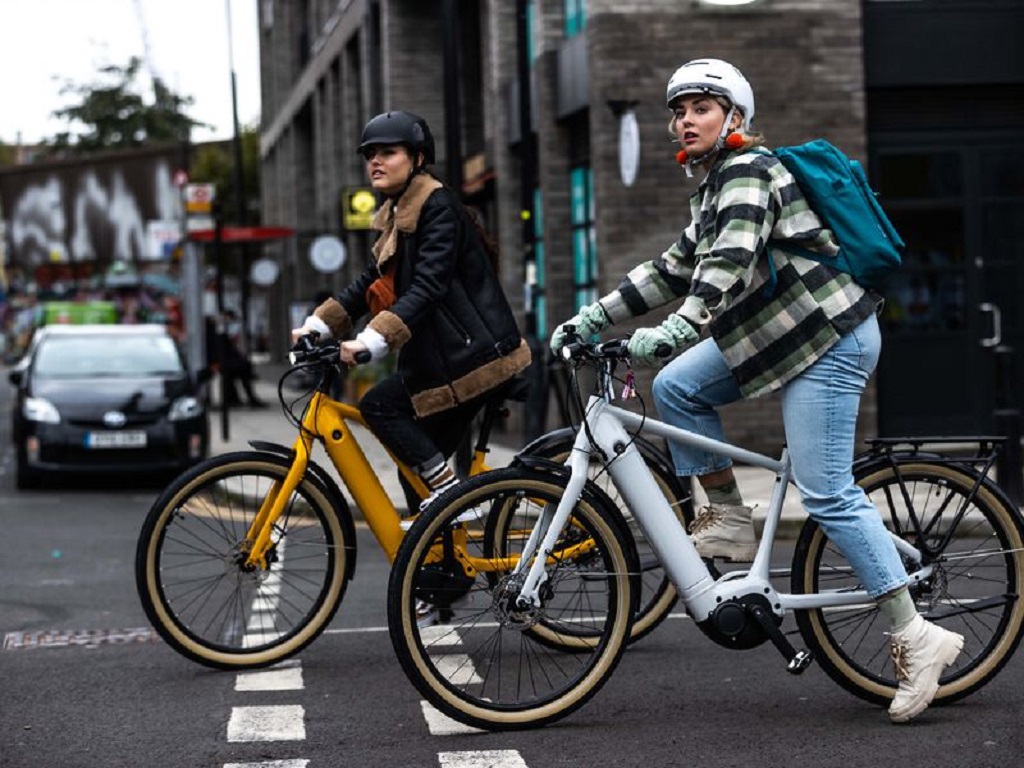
672 336
589 320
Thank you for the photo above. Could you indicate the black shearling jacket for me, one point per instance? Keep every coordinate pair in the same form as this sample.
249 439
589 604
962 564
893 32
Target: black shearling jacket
451 323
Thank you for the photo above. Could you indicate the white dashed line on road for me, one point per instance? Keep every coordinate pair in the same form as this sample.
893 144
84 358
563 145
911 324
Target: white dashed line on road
286 676
273 723
498 758
440 724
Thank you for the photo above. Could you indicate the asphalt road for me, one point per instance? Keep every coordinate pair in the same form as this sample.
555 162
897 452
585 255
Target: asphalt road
84 684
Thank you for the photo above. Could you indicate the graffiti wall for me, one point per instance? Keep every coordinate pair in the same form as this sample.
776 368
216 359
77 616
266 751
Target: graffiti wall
89 211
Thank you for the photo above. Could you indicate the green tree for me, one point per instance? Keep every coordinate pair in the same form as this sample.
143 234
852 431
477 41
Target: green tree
114 115
6 154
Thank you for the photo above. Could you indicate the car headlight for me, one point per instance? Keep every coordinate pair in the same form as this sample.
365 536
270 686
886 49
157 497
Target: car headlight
185 408
38 409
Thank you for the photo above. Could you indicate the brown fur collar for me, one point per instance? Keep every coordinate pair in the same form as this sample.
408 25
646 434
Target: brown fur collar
406 214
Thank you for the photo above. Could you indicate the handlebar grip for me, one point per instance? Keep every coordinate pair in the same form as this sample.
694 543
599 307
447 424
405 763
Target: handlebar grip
363 356
663 350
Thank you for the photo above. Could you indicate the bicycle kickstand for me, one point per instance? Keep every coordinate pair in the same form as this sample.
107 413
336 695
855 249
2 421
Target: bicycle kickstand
797 661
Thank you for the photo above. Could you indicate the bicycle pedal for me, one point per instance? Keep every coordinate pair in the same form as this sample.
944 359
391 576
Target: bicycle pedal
800 662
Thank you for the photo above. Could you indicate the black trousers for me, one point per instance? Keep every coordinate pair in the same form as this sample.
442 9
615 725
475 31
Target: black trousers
420 443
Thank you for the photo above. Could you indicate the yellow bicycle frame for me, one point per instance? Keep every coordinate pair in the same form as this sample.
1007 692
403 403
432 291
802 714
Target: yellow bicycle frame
330 421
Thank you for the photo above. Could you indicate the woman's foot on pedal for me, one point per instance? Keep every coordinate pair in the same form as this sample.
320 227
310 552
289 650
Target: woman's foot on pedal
920 652
726 531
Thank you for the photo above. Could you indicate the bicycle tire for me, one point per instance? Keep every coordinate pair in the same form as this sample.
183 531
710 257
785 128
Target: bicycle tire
478 665
657 592
189 573
974 592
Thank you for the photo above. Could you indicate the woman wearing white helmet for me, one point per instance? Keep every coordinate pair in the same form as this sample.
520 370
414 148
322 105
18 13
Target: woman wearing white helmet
814 336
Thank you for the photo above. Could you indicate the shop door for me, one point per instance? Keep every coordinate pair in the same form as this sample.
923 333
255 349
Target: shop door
956 304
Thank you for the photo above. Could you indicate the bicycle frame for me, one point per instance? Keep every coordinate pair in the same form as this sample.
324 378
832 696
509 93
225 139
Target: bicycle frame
700 591
331 420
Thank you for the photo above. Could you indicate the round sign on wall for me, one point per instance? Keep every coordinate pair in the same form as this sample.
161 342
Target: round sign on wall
327 253
629 147
263 272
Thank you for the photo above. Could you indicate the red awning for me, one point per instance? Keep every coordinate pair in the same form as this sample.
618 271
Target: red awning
241 234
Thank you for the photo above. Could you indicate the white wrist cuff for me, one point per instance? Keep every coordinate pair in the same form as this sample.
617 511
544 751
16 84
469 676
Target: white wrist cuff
374 342
314 323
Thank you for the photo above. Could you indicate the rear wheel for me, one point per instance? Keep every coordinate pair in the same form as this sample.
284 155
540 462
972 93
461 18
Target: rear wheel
488 661
976 545
194 583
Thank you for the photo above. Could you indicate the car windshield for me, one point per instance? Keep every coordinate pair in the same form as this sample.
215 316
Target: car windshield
76 357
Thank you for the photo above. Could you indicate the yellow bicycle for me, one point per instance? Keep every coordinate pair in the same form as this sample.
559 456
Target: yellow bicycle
243 560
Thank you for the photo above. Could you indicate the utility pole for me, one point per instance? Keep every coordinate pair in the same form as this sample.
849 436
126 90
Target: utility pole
240 215
536 404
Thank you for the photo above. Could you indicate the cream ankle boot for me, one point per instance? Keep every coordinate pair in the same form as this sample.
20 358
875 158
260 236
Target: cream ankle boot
725 530
920 653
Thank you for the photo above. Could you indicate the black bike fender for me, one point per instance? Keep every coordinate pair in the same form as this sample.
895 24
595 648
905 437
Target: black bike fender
330 487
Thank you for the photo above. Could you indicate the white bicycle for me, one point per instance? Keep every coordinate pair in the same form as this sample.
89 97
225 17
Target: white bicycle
537 594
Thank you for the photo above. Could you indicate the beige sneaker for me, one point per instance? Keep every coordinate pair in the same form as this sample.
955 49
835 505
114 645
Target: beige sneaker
920 653
725 530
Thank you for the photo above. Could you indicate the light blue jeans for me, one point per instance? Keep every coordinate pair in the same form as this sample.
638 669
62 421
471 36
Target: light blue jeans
819 413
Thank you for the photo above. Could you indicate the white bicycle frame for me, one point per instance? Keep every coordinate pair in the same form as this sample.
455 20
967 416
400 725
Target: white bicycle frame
701 593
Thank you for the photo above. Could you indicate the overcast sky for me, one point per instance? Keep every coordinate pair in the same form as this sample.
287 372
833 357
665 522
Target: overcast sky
46 42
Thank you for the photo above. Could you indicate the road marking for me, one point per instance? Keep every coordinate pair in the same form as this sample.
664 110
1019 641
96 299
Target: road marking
88 638
273 723
498 758
270 764
440 724
286 676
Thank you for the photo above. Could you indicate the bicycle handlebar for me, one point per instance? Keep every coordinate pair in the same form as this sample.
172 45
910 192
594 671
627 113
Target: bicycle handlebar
306 350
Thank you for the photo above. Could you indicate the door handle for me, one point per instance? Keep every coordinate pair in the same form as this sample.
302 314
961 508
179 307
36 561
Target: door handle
997 325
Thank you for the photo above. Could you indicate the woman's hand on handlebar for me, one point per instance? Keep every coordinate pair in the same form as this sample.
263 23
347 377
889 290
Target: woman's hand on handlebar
354 353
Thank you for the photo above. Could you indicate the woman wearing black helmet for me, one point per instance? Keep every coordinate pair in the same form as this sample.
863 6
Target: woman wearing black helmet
435 298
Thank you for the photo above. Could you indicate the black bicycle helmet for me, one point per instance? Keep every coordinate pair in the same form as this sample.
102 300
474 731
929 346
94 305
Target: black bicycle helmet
399 128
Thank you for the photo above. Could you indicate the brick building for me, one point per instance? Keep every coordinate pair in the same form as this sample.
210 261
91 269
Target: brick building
895 84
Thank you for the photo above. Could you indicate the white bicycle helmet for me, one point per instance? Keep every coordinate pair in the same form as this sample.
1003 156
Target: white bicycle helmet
716 77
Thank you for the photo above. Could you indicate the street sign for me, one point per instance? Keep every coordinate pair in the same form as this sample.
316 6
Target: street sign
359 204
327 254
161 238
199 198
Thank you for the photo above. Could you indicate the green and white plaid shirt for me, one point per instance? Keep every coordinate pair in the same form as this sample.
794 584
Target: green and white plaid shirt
746 205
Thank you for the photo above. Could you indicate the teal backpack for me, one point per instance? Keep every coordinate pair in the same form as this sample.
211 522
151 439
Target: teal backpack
837 190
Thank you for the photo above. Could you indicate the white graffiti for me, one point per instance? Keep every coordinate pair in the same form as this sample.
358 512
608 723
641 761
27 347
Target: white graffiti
108 215
38 224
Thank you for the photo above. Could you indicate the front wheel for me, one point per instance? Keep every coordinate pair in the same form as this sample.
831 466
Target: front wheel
195 586
488 660
976 546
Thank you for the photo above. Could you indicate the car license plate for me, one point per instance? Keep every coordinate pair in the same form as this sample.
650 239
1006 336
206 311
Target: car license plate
115 440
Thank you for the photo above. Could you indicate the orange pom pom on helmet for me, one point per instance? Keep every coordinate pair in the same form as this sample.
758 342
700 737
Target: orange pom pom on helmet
734 141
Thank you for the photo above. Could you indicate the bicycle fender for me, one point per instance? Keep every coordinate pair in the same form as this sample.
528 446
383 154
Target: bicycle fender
594 495
330 489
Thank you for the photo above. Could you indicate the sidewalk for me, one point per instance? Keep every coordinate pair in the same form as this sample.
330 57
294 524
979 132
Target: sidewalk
270 424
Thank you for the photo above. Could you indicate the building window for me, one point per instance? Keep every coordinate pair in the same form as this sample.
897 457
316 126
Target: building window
575 13
584 243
